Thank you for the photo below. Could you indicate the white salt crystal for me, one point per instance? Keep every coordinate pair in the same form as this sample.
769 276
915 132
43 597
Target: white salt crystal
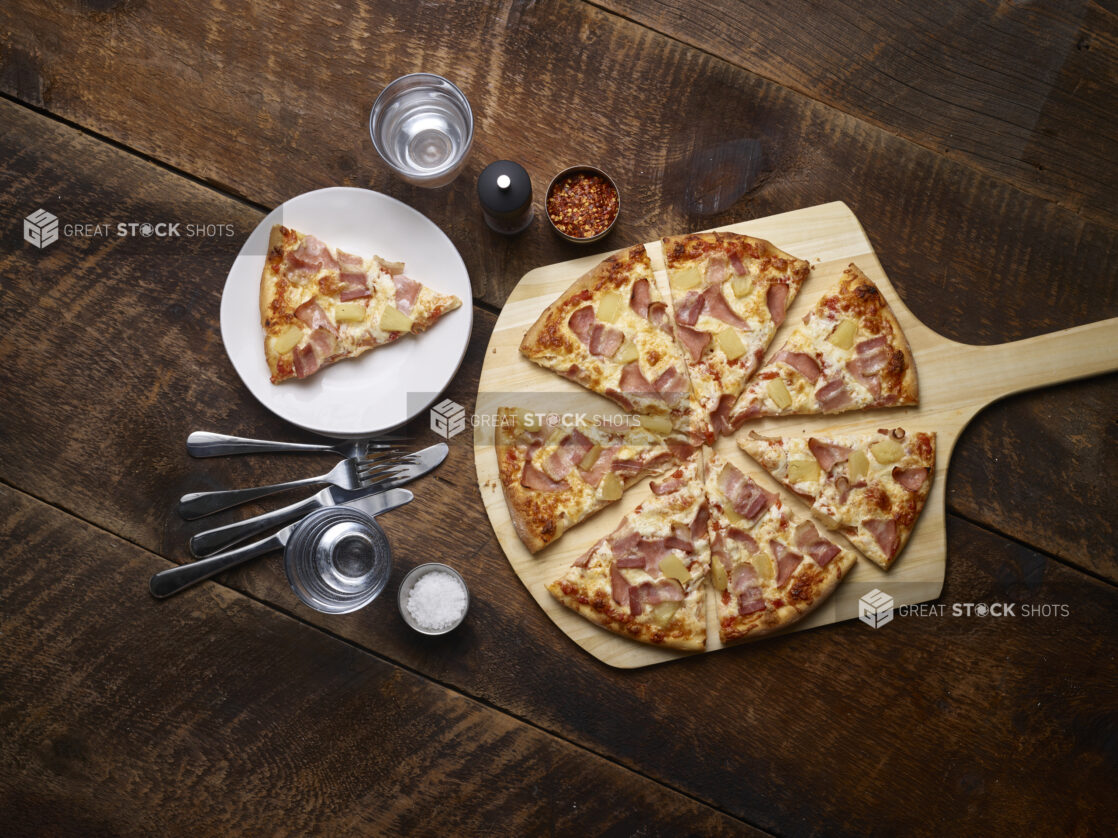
437 600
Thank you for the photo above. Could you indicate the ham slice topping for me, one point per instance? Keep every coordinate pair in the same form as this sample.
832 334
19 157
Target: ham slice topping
716 269
748 499
406 291
743 582
349 262
305 361
670 385
748 542
693 339
802 363
356 286
786 561
911 478
699 522
601 465
571 450
872 355
653 593
688 309
314 316
776 298
640 297
672 483
323 342
582 323
737 263
658 316
534 479
311 256
884 531
827 454
717 307
605 340
833 396
807 538
633 382
720 416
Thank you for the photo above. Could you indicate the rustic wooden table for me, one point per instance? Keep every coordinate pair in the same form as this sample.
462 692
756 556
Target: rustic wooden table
975 144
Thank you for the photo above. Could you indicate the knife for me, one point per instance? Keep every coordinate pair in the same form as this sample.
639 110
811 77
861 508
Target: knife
174 579
208 542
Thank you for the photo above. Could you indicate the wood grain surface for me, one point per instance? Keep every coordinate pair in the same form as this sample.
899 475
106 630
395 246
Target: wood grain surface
1017 90
122 111
559 83
253 723
956 381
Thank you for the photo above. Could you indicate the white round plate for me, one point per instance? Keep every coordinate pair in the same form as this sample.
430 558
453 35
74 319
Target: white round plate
388 385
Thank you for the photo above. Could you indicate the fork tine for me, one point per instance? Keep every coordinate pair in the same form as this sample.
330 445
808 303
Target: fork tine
380 473
383 456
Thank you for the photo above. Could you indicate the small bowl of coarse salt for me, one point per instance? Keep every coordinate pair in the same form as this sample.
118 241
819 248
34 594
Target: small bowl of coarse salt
433 598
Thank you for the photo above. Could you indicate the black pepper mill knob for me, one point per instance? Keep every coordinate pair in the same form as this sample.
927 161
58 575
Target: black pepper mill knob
505 191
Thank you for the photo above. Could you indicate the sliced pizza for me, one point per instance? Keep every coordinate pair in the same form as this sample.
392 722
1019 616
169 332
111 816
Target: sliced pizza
556 474
645 579
611 333
729 295
848 354
769 565
871 487
319 305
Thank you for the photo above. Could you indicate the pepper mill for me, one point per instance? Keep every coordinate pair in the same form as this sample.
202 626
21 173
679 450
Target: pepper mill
505 191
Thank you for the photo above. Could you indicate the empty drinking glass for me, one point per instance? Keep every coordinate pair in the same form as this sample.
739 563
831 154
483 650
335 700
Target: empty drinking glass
422 127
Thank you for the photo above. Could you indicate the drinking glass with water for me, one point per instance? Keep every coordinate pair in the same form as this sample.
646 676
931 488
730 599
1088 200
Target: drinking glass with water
422 126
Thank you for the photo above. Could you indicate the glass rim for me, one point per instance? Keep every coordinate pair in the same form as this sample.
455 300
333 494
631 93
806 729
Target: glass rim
394 87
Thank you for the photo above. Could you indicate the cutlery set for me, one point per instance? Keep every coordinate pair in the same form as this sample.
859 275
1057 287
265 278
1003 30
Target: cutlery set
365 483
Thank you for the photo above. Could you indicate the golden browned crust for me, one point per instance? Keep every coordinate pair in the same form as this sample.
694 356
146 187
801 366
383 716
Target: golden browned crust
549 335
859 297
809 587
679 250
538 522
598 607
280 240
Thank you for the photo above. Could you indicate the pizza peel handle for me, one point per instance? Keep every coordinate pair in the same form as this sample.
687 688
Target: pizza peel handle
983 374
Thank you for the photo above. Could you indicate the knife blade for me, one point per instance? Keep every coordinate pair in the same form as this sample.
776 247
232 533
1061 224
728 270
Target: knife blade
208 542
174 579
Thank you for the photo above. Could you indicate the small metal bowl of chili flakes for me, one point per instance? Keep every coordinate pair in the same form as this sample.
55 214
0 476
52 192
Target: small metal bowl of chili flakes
582 203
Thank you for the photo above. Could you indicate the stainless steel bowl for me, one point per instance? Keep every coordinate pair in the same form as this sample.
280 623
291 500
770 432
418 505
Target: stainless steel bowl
594 170
414 576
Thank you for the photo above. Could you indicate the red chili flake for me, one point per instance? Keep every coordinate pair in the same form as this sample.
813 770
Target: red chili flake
582 205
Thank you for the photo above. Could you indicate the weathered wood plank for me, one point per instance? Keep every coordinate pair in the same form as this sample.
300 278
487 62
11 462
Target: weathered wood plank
1024 92
731 730
556 84
212 715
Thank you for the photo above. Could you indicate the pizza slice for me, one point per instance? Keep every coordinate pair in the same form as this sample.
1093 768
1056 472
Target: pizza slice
871 487
848 354
769 565
611 333
319 305
729 295
645 579
555 474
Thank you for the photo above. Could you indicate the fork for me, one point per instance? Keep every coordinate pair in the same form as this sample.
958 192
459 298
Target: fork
207 444
351 473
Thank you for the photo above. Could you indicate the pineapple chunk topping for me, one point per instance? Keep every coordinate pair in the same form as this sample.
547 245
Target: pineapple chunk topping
610 487
763 565
349 312
626 353
286 340
803 471
858 465
718 574
590 457
662 613
887 451
394 320
731 344
843 335
742 285
657 424
779 393
672 567
686 278
609 307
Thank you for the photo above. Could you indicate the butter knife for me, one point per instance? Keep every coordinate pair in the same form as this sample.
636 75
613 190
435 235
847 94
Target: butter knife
174 579
208 542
